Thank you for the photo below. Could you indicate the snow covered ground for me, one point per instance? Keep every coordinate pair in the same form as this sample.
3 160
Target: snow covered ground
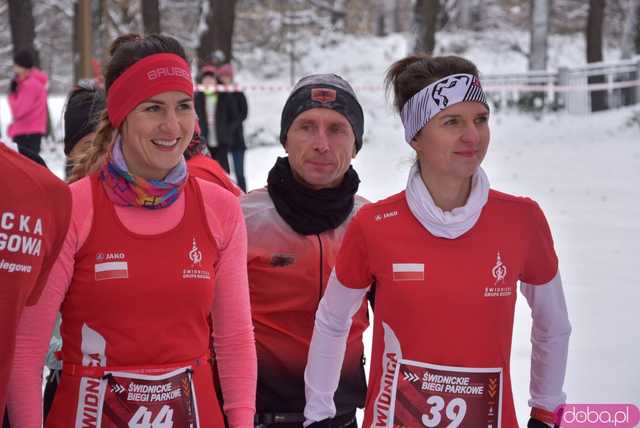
583 170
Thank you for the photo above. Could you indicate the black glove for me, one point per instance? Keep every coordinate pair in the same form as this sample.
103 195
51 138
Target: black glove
534 423
13 86
341 421
325 423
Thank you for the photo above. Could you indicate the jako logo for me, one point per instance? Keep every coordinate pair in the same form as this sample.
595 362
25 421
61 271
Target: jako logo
597 415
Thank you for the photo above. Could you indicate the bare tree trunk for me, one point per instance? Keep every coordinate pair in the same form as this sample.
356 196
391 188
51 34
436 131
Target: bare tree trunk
595 20
540 13
216 44
151 16
105 33
426 19
465 14
631 29
380 13
637 39
82 40
22 25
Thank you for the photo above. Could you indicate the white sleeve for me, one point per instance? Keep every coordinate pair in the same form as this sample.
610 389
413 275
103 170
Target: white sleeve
550 342
328 344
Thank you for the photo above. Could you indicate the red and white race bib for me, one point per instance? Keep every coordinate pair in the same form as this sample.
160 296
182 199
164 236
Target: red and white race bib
144 401
434 396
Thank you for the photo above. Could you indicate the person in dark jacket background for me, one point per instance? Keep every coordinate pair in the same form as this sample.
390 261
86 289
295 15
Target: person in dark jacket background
221 114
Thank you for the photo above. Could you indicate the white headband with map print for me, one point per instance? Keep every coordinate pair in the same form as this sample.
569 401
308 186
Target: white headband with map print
439 95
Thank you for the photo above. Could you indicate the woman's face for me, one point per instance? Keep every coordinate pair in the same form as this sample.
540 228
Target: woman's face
156 133
454 142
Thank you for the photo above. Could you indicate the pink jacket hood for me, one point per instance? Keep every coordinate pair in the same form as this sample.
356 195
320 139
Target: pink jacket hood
28 105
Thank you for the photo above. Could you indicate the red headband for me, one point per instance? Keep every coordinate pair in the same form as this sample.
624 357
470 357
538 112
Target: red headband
148 77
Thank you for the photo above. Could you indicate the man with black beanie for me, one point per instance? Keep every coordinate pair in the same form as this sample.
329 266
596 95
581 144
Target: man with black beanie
295 227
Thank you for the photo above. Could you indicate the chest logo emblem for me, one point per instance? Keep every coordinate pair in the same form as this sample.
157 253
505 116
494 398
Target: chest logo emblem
195 255
500 287
499 271
195 271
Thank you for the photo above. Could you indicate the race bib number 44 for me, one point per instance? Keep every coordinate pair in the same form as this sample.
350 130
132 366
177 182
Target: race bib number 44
140 401
434 396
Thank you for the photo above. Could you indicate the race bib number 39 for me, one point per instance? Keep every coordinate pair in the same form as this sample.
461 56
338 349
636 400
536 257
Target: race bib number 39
140 401
433 396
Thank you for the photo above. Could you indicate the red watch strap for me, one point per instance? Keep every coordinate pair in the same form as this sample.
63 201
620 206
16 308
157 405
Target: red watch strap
543 415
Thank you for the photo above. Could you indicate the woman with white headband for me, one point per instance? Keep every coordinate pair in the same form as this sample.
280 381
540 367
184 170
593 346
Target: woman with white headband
151 275
445 256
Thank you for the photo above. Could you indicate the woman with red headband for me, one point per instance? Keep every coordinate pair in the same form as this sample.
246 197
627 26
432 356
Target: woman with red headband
445 255
153 263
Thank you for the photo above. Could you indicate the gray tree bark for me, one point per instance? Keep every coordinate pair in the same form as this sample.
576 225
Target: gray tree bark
595 21
425 22
23 34
540 14
631 29
465 14
151 16
216 44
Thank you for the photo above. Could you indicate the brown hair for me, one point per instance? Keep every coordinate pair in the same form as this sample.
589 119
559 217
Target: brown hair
409 75
124 51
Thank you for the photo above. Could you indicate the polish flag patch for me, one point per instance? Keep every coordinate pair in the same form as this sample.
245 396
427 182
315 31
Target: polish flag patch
111 270
408 271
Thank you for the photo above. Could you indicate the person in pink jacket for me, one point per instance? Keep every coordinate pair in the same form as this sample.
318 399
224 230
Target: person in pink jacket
28 103
152 275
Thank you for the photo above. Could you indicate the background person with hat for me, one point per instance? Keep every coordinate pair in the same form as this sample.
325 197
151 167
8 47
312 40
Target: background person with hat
295 227
27 102
221 116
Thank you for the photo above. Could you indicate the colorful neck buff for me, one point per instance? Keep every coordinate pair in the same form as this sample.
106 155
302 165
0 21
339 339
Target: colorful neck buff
439 95
148 77
128 190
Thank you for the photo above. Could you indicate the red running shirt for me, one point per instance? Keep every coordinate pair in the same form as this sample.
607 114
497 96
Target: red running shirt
444 302
140 302
35 208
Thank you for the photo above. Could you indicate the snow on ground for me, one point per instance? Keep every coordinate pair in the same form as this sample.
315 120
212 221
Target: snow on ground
583 170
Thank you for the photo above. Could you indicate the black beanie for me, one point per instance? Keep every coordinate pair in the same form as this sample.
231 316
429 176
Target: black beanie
82 113
23 58
323 91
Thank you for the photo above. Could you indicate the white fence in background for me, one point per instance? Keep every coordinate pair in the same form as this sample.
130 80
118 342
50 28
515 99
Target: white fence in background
567 88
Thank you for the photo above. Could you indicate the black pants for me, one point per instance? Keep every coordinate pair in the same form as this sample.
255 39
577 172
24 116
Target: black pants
49 392
29 141
347 420
238 166
221 155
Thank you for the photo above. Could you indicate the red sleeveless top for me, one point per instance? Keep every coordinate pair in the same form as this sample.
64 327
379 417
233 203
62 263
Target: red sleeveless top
138 303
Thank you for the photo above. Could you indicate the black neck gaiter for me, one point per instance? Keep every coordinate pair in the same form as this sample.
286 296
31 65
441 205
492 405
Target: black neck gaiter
306 210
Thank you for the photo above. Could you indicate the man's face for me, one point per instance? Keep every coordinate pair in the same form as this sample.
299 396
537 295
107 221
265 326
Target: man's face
320 144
